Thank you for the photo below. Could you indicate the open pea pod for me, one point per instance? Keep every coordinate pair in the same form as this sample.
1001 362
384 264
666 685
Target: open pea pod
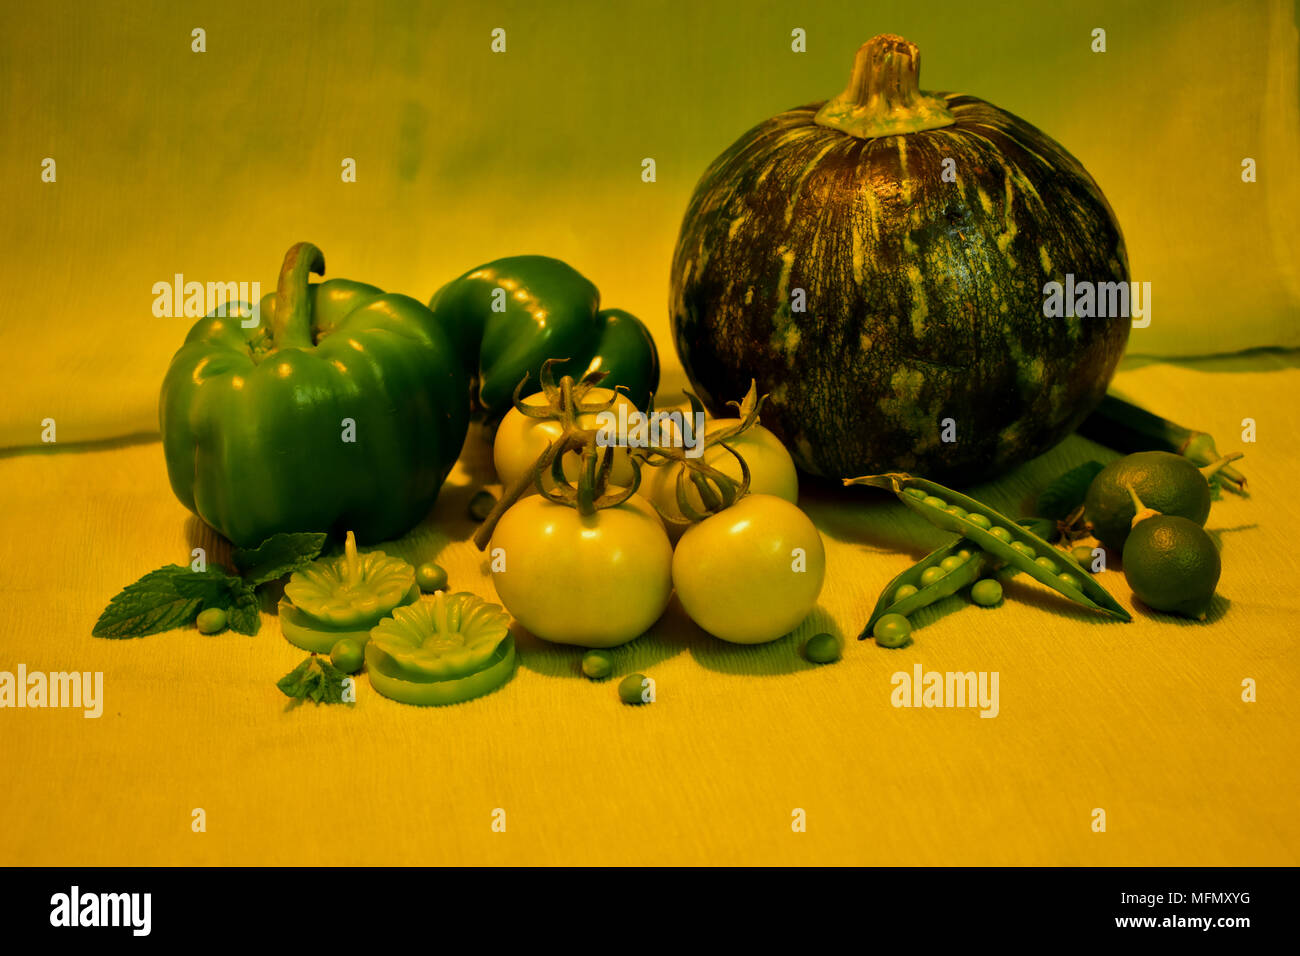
980 564
952 511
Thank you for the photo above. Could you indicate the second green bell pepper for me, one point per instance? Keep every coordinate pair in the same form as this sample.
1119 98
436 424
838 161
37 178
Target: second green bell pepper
509 316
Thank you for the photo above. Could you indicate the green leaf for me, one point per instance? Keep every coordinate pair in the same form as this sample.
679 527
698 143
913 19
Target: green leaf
245 612
315 679
278 555
293 683
149 606
1067 492
213 586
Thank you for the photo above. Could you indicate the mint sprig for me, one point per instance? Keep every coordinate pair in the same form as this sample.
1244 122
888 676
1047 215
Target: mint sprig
173 596
315 679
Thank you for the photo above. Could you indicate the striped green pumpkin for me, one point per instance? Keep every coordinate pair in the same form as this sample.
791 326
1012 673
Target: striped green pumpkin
923 298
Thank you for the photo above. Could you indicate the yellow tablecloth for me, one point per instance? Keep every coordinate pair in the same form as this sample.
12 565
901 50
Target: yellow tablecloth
211 163
1143 720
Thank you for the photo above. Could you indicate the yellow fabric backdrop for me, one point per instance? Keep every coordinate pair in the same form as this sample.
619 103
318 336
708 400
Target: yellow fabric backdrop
211 164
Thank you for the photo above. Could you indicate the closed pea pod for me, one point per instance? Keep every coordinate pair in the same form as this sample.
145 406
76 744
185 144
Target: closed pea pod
1082 590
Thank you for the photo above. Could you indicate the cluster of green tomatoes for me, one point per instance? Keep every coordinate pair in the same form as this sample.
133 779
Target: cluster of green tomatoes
596 568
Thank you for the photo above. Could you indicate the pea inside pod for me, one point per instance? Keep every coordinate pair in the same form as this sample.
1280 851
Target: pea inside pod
919 493
920 586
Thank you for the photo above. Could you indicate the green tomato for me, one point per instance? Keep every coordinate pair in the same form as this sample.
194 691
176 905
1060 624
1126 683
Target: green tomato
986 593
892 630
822 648
347 655
520 441
597 664
430 577
211 621
635 689
596 581
751 573
771 472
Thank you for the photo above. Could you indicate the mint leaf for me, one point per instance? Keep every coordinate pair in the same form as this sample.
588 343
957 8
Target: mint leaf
277 556
331 682
149 606
245 612
212 587
294 683
315 679
233 595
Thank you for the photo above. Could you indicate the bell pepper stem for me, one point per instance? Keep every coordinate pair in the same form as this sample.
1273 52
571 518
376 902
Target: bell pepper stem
291 324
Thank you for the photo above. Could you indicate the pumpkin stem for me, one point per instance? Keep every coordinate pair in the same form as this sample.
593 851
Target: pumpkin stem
883 97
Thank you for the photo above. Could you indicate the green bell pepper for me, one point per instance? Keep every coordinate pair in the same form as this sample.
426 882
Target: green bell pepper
509 316
345 407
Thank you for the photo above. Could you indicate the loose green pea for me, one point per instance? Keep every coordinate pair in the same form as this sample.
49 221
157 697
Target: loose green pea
1043 561
211 621
932 502
1083 554
979 521
1023 548
951 563
822 648
481 505
346 655
597 664
905 591
930 575
999 532
630 689
892 630
430 577
986 593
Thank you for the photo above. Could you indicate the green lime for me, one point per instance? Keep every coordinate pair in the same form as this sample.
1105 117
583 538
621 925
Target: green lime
598 664
1165 482
1172 565
347 655
211 621
986 593
892 630
822 648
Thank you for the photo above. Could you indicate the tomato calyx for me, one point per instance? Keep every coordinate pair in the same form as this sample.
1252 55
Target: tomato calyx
717 490
565 403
